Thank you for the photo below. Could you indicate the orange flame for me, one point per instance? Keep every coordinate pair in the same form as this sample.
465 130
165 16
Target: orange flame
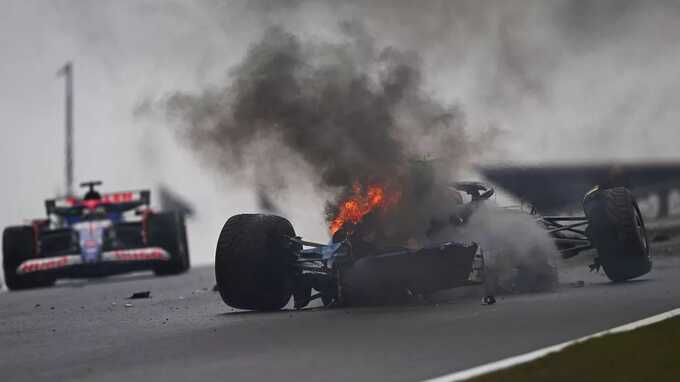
354 208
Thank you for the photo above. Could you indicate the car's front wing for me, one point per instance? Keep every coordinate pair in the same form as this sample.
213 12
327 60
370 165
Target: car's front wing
122 256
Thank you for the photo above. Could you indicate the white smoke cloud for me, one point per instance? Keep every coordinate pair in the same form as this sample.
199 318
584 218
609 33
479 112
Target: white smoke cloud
518 253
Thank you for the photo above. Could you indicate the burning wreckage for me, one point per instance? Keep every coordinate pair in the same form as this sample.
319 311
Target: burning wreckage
261 262
362 119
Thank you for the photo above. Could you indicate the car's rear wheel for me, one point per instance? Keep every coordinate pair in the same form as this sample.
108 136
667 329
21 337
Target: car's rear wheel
18 245
253 262
618 233
168 231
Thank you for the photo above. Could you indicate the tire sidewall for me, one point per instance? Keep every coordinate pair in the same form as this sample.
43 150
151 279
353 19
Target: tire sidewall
168 231
19 245
612 230
252 266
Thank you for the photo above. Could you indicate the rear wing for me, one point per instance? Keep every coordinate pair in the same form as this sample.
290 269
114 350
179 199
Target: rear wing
113 202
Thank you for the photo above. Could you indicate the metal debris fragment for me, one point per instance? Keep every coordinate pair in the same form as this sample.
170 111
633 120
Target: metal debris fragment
137 295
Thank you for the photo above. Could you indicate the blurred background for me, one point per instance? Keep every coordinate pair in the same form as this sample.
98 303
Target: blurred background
545 81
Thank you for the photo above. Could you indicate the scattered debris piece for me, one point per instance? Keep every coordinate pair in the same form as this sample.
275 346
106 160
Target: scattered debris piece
578 284
595 267
36 306
488 300
128 305
138 295
51 308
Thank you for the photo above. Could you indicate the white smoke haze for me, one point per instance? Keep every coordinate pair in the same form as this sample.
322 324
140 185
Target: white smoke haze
519 256
550 81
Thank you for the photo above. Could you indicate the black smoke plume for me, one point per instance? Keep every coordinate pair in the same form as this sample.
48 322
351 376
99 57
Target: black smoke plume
350 111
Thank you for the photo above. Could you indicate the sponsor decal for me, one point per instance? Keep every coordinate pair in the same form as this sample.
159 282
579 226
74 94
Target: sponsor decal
143 254
45 264
120 197
90 244
114 198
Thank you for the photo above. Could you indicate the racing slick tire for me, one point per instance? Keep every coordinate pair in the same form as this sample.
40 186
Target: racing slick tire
253 262
18 245
617 231
168 231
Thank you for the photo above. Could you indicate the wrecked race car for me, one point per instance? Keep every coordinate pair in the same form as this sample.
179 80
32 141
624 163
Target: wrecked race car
261 262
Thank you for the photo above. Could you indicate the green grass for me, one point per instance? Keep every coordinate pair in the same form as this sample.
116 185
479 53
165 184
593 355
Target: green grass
650 353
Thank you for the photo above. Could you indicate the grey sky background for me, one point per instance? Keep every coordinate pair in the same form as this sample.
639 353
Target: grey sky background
560 81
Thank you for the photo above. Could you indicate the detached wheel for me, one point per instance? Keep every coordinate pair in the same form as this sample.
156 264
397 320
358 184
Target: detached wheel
168 231
18 245
253 262
617 231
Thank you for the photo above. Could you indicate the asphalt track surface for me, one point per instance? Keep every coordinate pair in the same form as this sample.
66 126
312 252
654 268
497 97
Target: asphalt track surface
82 330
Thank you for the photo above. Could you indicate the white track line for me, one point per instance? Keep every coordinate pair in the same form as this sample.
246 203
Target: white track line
524 358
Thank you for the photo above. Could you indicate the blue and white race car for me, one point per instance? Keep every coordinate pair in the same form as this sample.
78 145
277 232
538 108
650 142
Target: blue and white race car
97 235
